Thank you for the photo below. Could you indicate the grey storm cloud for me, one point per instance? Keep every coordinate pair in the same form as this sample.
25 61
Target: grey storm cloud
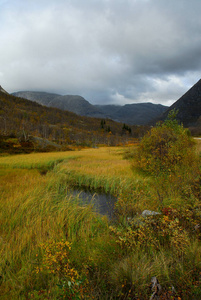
109 51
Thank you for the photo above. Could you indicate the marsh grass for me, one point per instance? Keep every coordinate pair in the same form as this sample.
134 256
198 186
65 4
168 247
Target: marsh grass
175 273
105 170
37 210
36 160
33 210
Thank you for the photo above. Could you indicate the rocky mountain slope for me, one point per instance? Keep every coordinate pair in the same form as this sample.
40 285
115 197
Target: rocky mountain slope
73 103
188 106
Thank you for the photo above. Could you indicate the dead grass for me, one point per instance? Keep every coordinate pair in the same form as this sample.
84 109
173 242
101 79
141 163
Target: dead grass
198 144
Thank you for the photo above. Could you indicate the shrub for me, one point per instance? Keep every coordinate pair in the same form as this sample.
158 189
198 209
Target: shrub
165 148
57 264
153 233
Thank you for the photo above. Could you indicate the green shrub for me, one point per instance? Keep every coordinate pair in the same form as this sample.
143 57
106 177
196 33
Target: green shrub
165 148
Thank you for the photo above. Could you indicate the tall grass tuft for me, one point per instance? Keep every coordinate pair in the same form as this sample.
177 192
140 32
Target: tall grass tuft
33 210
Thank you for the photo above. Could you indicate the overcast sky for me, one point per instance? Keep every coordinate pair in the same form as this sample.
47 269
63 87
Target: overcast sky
108 51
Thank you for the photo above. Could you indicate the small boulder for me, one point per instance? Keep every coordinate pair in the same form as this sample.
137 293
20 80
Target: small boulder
147 213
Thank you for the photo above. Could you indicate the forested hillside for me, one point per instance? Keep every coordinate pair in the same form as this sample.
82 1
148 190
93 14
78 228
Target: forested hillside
21 118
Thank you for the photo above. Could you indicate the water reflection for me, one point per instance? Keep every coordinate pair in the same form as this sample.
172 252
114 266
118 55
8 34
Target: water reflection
102 203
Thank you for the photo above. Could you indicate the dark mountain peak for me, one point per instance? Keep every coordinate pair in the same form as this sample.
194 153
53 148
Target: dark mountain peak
192 95
188 106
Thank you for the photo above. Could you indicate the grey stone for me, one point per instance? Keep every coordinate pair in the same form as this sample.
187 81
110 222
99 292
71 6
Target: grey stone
147 213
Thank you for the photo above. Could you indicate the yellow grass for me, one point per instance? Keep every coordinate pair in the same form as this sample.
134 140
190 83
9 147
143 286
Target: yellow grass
27 196
27 209
198 144
100 162
28 160
35 209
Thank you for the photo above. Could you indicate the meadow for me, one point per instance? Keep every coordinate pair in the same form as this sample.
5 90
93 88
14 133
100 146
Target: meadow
54 247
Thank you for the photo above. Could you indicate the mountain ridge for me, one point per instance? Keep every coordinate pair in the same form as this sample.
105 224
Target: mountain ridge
131 114
142 113
23 119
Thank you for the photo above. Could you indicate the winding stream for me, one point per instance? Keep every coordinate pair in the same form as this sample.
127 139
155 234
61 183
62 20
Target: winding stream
102 203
